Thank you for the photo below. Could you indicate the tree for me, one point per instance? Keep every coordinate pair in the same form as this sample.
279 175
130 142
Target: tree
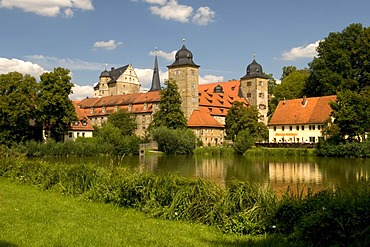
291 86
342 63
243 141
56 109
239 118
287 70
351 113
17 107
123 120
174 141
170 114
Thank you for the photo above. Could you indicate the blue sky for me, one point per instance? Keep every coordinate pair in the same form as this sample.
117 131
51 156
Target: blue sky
85 35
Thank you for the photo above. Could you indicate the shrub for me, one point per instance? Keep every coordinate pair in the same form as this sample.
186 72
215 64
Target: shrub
243 141
174 141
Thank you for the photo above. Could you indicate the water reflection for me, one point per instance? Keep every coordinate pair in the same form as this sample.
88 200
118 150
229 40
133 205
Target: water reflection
313 173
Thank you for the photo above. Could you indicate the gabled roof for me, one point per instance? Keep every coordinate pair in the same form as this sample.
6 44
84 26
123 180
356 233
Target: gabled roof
219 103
314 111
82 117
203 119
116 73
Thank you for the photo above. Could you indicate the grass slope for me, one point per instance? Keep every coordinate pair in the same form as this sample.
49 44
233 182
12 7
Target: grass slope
30 217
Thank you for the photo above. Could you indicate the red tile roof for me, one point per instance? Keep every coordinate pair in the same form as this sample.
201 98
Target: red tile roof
290 112
202 119
81 117
219 103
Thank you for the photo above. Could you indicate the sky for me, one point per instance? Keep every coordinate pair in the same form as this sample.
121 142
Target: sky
87 36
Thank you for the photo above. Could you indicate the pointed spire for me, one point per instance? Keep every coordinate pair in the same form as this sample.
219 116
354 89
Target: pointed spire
156 84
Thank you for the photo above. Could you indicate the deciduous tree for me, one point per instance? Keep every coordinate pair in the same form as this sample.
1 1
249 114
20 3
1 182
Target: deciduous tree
17 107
170 114
123 120
56 109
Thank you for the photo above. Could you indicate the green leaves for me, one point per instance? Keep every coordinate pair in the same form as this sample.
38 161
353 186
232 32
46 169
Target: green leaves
170 114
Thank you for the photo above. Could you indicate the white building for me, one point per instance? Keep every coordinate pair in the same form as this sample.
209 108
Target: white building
300 120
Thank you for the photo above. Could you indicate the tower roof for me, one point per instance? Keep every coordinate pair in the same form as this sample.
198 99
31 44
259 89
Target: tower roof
183 57
254 70
156 84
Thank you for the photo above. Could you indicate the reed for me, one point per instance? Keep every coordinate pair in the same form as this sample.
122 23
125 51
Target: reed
239 207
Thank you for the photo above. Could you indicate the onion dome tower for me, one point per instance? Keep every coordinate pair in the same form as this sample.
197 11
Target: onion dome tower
254 88
186 75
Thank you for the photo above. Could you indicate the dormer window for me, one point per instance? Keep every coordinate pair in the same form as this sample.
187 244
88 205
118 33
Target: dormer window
116 108
92 110
130 107
84 122
145 106
76 123
104 109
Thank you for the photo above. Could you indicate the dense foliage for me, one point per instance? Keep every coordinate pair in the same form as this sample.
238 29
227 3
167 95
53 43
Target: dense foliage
243 141
240 118
123 120
27 106
342 67
343 149
170 114
56 109
174 141
332 217
18 107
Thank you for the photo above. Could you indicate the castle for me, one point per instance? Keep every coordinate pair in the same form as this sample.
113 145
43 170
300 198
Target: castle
205 106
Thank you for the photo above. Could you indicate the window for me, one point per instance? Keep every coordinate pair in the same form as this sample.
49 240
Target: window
310 127
282 128
249 83
262 107
313 127
84 122
302 127
177 72
261 95
274 128
297 127
249 95
312 139
92 110
192 72
70 134
83 134
290 128
261 83
145 106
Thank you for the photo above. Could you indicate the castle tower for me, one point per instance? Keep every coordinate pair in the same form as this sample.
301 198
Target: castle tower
186 74
156 84
101 88
254 88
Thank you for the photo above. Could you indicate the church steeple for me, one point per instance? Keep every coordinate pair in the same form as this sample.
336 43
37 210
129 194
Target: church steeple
156 84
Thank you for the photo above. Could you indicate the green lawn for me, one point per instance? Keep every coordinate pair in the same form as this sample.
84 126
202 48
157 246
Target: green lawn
30 217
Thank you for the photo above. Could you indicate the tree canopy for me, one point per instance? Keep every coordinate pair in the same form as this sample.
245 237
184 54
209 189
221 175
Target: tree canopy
169 114
56 109
240 118
342 63
17 107
125 121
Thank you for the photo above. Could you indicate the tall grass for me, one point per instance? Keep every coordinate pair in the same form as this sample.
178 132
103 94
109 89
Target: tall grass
260 151
214 151
240 207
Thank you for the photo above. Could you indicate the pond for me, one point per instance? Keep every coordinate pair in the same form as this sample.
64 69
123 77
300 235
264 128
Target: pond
278 172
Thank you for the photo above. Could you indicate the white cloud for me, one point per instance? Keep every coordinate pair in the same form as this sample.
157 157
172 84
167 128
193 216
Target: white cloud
68 63
107 45
173 11
204 16
81 92
210 78
24 67
308 51
169 56
49 8
159 2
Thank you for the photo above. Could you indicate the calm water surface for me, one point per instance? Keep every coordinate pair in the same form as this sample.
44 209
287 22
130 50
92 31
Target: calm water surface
302 172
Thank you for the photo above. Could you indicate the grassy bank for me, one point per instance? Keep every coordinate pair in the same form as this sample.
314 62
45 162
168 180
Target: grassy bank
261 151
30 217
304 219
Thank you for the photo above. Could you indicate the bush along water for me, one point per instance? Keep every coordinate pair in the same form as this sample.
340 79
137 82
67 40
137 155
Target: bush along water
332 217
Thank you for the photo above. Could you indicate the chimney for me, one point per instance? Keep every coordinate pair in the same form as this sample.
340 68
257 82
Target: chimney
304 101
